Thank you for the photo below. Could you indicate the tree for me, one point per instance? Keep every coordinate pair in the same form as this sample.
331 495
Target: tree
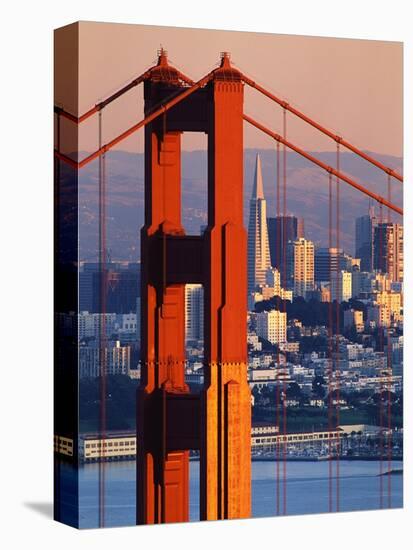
293 391
318 387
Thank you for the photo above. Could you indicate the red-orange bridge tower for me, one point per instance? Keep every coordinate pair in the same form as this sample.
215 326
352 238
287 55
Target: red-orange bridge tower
171 421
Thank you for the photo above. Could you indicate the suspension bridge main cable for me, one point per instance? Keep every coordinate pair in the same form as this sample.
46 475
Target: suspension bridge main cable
314 160
321 128
152 116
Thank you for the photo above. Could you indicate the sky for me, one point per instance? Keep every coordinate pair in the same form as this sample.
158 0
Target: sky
354 87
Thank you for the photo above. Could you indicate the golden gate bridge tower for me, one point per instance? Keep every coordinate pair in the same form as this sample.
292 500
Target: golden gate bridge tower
172 421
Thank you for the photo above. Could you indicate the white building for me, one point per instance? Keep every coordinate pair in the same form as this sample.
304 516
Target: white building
91 324
127 326
253 340
258 244
272 326
112 359
341 286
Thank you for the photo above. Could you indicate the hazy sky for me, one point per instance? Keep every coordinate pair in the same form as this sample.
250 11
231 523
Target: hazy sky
354 87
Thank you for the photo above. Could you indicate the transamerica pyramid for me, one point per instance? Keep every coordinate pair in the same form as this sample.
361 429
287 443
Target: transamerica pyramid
258 247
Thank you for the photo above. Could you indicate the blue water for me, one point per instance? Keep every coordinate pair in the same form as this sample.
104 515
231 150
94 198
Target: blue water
306 489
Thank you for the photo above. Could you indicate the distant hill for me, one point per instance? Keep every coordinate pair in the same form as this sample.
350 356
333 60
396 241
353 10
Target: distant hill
307 196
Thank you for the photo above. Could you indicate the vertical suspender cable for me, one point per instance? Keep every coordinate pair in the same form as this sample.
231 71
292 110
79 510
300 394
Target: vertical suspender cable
389 364
339 287
103 351
284 261
278 264
330 341
380 336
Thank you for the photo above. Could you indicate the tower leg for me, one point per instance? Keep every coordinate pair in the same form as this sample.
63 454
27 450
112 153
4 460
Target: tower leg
226 441
163 485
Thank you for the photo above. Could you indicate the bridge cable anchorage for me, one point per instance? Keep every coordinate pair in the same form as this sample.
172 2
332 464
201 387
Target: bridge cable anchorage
321 164
338 139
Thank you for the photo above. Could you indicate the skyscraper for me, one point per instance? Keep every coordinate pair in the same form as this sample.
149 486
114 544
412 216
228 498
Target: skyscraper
258 248
388 250
340 286
326 260
194 312
281 230
122 281
303 266
364 240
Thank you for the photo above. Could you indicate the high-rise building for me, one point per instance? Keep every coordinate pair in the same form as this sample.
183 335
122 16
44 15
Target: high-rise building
258 248
392 301
329 259
388 250
86 288
91 325
281 231
194 312
302 260
353 318
272 279
122 281
341 286
379 316
122 287
113 359
273 286
272 326
364 240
